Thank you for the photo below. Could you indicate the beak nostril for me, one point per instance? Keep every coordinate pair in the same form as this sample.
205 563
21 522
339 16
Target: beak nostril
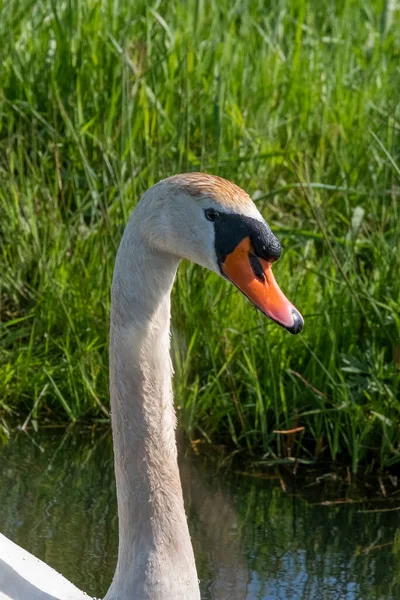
256 267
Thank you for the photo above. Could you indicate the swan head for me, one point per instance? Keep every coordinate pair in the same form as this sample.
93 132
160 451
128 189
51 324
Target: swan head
215 224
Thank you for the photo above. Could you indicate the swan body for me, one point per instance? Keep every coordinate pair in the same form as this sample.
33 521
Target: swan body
215 224
25 577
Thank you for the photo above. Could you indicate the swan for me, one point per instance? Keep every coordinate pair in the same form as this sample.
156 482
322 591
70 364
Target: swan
215 224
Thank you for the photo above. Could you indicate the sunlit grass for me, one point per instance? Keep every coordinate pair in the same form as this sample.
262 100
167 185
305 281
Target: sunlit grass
296 103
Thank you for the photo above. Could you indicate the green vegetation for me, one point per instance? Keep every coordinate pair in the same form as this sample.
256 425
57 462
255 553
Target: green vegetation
295 101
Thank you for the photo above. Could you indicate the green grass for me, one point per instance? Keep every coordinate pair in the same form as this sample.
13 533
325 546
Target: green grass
295 101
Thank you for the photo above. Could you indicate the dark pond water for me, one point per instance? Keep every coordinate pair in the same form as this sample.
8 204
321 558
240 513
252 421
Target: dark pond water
252 539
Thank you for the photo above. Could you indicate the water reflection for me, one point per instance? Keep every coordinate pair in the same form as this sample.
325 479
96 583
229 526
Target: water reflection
252 540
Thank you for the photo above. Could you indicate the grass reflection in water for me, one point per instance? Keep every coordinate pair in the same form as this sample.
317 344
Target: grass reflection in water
252 539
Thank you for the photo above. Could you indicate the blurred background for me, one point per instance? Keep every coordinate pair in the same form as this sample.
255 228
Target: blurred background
295 101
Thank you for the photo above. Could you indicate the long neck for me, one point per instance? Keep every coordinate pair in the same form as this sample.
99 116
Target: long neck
155 559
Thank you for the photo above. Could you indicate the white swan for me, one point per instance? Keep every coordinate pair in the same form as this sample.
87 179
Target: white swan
215 224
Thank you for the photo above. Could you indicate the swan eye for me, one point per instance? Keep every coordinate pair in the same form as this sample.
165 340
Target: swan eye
211 214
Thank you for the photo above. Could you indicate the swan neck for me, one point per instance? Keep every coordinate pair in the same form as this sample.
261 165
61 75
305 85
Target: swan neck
155 559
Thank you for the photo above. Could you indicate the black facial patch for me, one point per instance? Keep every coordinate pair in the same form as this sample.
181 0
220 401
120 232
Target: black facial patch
231 229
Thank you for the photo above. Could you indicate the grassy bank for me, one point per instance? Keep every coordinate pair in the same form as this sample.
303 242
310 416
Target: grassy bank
298 104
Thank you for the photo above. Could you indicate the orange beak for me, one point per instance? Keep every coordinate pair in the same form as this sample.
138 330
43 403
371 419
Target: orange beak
253 276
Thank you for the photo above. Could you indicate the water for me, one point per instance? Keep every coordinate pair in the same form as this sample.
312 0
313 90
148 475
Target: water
252 540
